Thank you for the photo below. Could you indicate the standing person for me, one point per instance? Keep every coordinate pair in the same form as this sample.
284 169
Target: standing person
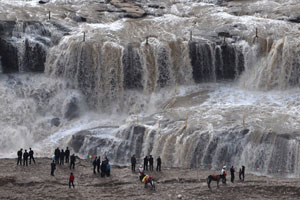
224 173
20 154
243 172
240 174
57 155
146 163
98 164
72 163
107 169
95 164
62 157
71 180
25 158
31 156
232 174
103 168
53 167
133 162
158 167
151 163
67 154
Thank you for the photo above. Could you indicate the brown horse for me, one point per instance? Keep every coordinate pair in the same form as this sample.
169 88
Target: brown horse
217 178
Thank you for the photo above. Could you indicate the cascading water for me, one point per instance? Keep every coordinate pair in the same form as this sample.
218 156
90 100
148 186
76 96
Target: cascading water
191 83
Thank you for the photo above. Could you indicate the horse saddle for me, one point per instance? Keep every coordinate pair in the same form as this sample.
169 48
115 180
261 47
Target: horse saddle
215 176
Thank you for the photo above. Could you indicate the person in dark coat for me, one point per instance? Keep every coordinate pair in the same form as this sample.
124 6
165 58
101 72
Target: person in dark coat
240 174
98 164
95 164
107 169
72 163
243 172
103 168
146 163
232 174
158 167
62 157
31 156
25 158
133 163
57 155
151 163
67 154
20 154
53 167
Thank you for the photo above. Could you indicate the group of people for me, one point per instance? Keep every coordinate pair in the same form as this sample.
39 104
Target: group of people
232 171
25 157
104 166
148 163
61 157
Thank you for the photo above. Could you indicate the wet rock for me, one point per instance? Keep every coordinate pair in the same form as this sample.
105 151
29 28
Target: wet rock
9 57
72 109
43 1
153 6
133 70
295 19
23 54
77 140
55 121
77 18
131 9
34 57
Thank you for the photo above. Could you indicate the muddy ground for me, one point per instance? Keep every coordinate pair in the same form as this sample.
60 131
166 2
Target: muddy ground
35 182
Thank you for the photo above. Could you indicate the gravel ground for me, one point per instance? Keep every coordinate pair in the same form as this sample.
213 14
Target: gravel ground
35 182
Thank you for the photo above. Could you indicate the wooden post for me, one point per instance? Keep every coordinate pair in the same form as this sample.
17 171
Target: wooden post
224 40
191 35
256 33
147 40
49 15
185 124
83 36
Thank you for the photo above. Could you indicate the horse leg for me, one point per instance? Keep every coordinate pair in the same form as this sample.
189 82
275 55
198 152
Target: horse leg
208 182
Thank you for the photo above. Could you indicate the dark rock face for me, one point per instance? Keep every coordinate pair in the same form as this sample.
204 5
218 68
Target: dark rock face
227 70
21 53
34 58
9 57
72 110
295 19
212 62
163 68
77 140
132 68
55 121
125 143
202 62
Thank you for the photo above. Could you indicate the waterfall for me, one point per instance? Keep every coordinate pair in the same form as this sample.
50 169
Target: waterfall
267 151
279 69
23 46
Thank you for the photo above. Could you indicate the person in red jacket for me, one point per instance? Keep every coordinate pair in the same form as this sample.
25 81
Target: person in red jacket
71 180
